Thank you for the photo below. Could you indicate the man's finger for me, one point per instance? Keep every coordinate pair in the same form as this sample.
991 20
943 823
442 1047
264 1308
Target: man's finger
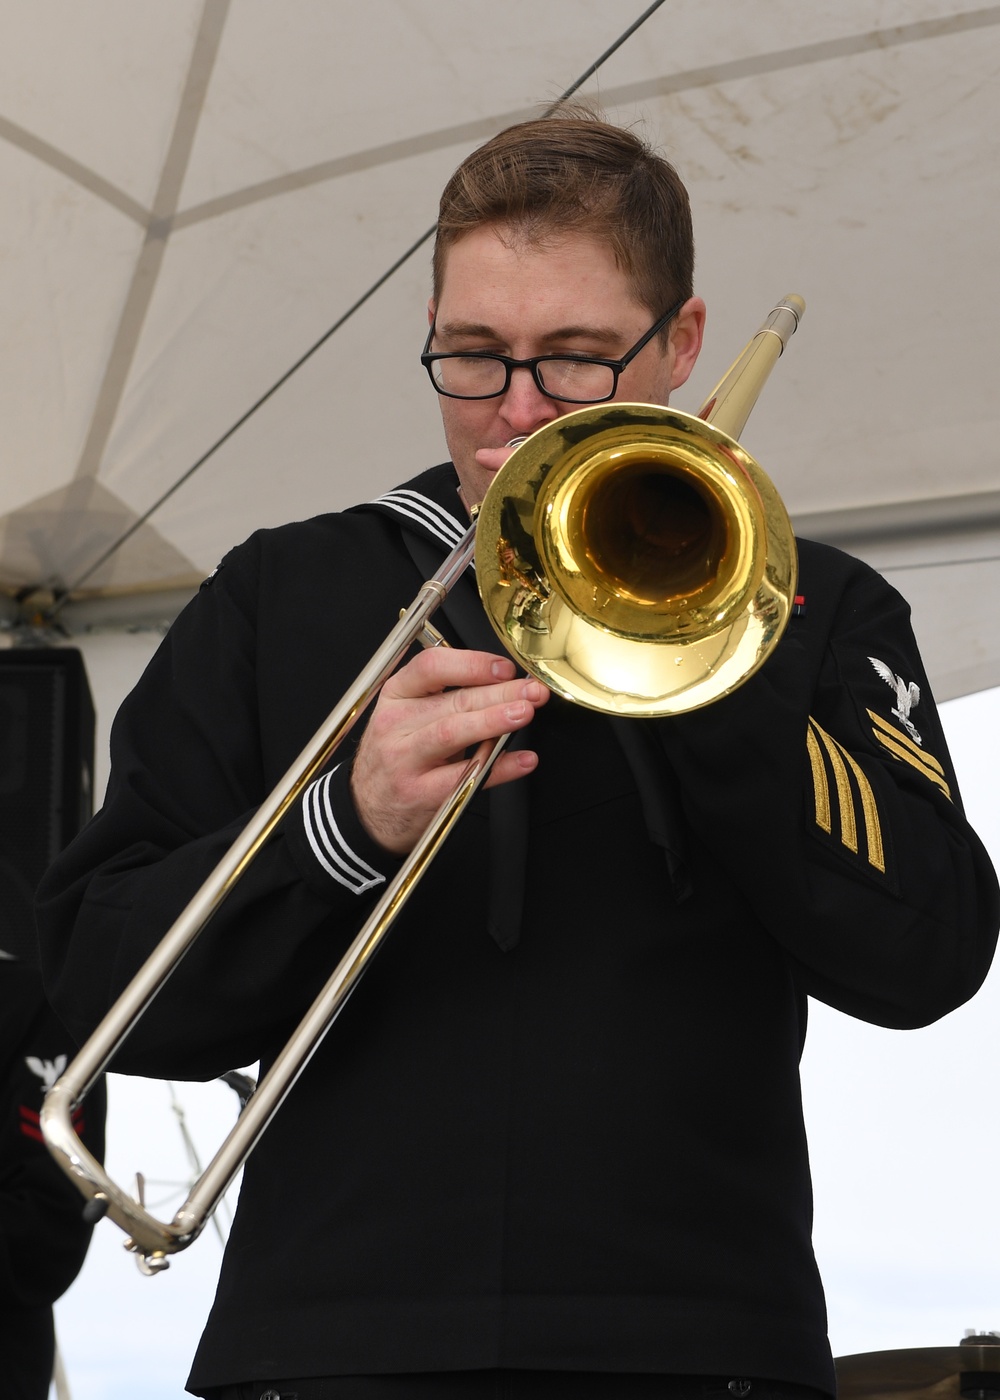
457 728
447 668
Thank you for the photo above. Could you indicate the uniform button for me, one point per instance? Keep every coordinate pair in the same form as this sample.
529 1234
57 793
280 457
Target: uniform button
270 1395
739 1388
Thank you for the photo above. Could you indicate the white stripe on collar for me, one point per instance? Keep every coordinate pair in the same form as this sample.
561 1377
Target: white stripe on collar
426 512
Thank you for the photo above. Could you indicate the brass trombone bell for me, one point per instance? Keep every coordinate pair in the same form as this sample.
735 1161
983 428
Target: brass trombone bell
636 559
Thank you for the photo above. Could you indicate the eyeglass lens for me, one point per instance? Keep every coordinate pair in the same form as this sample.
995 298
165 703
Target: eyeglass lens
483 377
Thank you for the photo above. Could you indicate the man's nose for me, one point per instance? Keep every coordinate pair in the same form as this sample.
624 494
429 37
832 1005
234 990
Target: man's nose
524 406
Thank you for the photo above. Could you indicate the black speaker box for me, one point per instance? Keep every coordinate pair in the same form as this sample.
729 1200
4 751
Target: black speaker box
46 776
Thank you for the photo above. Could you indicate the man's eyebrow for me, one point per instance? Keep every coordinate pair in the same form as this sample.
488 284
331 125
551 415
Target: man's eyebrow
473 330
466 328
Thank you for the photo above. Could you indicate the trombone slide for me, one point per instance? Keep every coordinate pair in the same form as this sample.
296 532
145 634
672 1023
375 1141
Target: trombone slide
725 412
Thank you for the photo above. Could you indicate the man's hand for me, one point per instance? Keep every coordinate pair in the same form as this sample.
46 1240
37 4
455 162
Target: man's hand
427 715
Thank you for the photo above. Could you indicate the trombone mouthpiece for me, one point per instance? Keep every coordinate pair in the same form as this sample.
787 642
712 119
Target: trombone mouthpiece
784 319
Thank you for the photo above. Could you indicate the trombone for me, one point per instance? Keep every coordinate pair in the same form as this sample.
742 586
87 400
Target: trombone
634 558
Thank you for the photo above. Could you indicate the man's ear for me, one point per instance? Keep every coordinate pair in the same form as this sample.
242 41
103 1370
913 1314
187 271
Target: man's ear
686 336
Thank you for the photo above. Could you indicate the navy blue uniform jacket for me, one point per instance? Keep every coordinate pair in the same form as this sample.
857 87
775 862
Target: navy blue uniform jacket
559 1125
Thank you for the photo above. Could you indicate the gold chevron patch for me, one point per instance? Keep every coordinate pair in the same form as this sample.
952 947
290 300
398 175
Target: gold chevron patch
902 747
853 791
820 788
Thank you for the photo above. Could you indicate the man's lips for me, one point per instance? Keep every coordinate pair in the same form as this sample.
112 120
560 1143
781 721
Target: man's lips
493 458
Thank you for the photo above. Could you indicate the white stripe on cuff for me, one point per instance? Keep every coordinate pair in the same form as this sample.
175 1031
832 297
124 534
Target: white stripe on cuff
328 844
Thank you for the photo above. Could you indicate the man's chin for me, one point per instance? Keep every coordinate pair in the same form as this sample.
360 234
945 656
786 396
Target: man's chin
473 485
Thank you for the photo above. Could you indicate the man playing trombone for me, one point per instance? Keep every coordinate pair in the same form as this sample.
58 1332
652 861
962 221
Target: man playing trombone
555 1145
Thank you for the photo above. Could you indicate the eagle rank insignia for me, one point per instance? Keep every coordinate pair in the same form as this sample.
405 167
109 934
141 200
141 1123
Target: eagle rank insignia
907 696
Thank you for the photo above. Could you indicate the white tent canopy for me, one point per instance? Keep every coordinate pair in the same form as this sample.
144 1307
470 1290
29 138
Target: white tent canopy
194 193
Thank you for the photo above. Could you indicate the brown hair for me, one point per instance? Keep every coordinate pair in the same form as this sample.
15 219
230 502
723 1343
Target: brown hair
573 172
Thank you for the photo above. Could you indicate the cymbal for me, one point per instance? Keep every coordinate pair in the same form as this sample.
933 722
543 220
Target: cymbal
970 1370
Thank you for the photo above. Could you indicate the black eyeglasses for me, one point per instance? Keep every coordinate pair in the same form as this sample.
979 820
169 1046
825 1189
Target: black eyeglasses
479 374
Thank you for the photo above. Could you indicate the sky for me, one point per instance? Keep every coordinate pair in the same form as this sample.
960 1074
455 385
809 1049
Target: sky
903 1138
